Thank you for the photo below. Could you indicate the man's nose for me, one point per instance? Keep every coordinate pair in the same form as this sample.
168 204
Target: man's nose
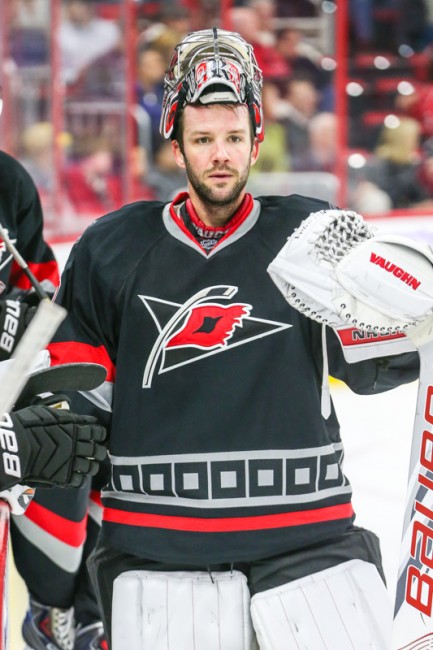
220 152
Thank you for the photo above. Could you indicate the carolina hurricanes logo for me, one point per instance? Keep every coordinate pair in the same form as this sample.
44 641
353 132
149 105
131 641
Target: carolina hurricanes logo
201 327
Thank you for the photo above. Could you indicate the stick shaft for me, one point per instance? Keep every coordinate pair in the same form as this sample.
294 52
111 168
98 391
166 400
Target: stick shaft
413 617
42 327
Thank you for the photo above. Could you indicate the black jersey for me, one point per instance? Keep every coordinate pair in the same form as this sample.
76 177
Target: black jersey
218 448
21 216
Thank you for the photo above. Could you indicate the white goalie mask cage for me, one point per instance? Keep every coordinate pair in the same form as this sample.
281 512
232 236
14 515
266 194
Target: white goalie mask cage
212 66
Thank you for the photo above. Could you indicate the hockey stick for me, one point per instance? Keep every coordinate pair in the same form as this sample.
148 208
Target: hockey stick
413 615
39 333
69 376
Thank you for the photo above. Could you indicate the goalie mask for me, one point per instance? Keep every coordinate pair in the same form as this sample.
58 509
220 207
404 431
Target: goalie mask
212 66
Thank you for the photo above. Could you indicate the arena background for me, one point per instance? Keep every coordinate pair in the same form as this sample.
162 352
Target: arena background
348 103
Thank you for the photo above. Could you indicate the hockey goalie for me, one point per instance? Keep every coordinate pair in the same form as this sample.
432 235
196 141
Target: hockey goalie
227 518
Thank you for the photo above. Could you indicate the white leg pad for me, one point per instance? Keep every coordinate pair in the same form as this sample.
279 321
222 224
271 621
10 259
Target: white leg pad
346 607
159 610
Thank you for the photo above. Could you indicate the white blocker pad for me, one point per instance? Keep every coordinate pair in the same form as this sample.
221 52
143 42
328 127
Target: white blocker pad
191 610
343 607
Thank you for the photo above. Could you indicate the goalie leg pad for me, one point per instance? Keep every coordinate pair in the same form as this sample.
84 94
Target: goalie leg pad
186 610
346 606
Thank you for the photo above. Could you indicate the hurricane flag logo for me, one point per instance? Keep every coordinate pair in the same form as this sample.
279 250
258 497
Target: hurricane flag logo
200 327
209 326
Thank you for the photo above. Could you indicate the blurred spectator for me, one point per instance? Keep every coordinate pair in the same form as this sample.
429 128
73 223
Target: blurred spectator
426 168
30 13
305 61
274 153
83 37
321 152
418 105
361 24
92 184
164 35
395 165
150 88
300 103
246 21
102 78
178 22
37 155
138 171
414 26
165 178
368 198
28 36
267 13
297 8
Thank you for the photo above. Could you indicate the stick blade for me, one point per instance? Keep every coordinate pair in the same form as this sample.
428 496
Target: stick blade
71 376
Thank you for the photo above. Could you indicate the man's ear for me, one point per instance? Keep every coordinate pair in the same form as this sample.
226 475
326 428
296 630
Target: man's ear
255 151
177 153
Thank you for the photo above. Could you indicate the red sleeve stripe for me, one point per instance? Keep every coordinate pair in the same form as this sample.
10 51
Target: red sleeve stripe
74 352
65 530
41 271
229 524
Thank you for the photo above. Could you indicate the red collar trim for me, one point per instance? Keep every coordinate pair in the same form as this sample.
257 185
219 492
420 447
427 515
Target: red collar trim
229 228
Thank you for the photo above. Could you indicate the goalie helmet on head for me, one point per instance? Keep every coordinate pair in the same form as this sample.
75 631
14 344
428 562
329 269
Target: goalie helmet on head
212 66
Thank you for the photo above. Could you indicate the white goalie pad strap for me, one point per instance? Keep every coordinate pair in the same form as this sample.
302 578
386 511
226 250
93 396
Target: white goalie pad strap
336 271
190 610
346 606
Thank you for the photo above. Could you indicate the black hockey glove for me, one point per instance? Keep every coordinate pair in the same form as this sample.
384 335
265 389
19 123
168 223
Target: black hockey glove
29 296
14 318
49 446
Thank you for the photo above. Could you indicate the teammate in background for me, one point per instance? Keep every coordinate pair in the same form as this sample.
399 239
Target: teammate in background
21 215
223 468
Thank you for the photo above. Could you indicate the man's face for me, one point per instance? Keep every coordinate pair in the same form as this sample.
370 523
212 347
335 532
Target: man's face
217 152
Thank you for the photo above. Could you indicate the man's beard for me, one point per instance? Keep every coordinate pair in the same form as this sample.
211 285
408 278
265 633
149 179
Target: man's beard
209 195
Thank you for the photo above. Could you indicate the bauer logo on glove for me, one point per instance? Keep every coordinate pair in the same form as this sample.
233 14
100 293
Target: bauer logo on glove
336 271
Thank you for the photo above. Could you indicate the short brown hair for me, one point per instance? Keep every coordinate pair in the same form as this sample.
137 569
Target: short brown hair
178 128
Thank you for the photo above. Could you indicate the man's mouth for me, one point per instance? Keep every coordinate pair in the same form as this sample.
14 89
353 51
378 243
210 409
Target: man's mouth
221 175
